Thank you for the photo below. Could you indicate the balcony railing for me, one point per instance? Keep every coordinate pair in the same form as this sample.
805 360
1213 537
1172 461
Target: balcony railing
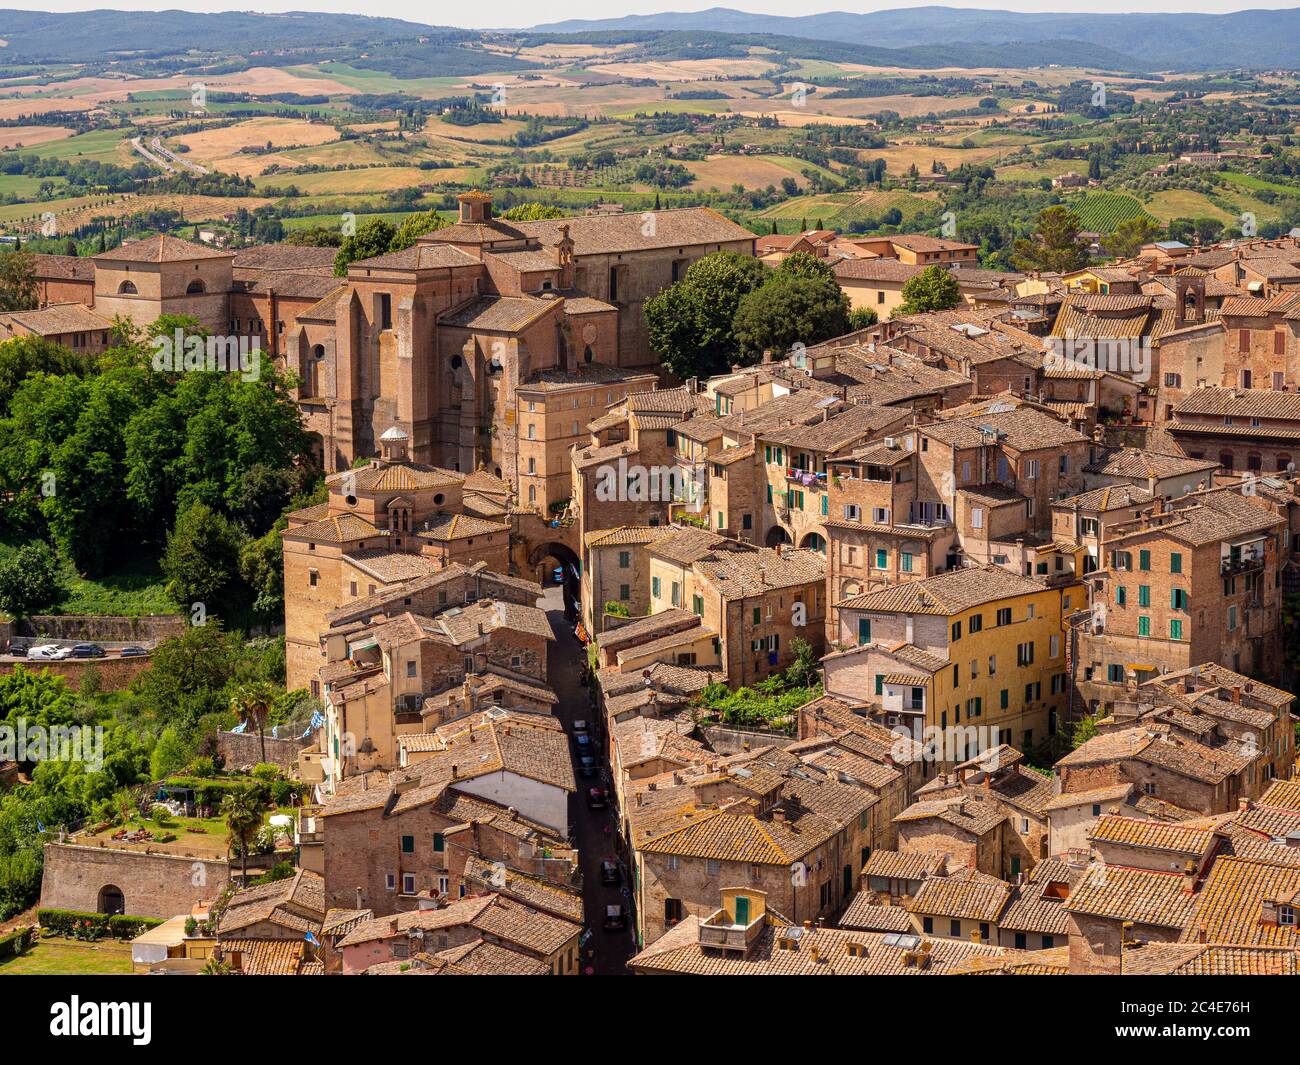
718 931
1242 564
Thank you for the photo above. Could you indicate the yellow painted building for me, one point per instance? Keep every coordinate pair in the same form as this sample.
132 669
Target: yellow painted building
972 658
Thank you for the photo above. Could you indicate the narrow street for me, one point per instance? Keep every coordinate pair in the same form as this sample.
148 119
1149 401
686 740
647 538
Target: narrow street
604 953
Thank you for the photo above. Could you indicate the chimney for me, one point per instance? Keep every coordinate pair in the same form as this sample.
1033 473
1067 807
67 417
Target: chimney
1236 694
360 896
454 769
393 924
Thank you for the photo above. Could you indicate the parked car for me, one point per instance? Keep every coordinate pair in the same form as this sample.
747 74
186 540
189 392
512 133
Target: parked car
610 873
49 652
596 798
88 650
132 652
615 918
582 742
587 766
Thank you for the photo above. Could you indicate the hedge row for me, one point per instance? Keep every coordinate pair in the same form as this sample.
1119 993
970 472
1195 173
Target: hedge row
118 925
16 942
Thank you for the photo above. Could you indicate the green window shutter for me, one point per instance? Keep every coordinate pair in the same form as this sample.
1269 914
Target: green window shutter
769 493
1144 625
758 615
654 587
882 558
767 453
1121 595
864 634
880 684
907 562
1175 629
742 910
1175 563
1004 698
826 504
1144 560
408 844
439 844
1144 595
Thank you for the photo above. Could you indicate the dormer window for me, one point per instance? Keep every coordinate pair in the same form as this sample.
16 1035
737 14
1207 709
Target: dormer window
1286 916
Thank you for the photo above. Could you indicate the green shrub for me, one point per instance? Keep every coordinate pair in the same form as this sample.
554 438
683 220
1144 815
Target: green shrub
16 942
81 925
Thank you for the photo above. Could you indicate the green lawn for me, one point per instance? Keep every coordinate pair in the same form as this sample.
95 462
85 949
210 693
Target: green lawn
71 957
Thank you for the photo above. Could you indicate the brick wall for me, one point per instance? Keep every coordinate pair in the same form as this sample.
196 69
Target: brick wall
152 885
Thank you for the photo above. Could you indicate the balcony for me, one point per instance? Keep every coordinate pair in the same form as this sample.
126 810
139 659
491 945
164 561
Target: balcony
806 478
310 827
719 932
1244 563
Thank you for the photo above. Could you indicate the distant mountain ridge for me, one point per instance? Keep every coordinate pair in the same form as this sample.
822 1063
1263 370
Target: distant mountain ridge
1254 39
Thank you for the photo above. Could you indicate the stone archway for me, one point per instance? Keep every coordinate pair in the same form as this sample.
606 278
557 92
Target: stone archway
776 535
545 558
111 899
814 541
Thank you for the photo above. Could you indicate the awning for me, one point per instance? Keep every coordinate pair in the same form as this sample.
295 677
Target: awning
363 645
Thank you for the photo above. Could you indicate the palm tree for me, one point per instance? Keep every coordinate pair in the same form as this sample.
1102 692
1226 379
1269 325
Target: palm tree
242 809
254 700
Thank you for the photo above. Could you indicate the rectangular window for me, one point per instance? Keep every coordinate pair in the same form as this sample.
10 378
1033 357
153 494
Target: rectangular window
976 518
882 559
956 631
1144 595
907 562
697 603
1025 654
880 684
1175 562
1144 559
1144 625
1175 629
655 587
1121 595
1115 673
624 559
1004 698
408 844
439 844
864 633
625 592
1004 616
408 883
1178 599
758 615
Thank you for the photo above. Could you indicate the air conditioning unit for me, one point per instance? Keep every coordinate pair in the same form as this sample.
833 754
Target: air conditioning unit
891 443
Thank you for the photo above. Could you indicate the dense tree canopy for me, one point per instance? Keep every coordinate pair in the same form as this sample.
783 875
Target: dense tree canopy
1054 245
933 289
690 323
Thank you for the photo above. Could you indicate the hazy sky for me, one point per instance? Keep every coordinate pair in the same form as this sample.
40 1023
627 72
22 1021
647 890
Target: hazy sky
512 13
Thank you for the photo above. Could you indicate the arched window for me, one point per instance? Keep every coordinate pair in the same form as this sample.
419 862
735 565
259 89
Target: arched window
127 288
196 288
